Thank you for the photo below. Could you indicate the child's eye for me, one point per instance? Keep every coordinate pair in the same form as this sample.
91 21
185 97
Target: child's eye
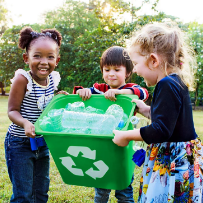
36 56
117 70
106 70
51 57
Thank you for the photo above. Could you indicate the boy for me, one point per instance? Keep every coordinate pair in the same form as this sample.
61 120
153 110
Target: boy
116 67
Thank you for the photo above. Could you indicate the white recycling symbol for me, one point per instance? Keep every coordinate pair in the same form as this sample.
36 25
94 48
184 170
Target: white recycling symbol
87 153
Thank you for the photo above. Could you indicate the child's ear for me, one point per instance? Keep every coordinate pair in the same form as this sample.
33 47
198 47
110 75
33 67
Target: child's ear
154 60
127 75
25 58
57 60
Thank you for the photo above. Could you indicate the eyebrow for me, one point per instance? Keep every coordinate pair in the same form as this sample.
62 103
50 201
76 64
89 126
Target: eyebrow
114 66
38 52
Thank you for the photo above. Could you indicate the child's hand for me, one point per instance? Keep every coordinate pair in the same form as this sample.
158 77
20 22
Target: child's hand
62 92
120 138
29 129
111 94
142 108
84 93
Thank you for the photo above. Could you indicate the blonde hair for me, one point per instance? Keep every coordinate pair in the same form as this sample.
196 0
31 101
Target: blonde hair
170 43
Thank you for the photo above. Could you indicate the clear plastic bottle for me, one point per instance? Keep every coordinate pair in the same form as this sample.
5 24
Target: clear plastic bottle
122 122
88 123
46 124
75 118
116 111
76 106
55 116
91 109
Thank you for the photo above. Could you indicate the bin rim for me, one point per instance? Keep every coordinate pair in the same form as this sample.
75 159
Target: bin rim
39 131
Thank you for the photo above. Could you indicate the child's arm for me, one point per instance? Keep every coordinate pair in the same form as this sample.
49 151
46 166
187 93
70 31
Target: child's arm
141 92
143 109
16 95
122 138
111 93
129 88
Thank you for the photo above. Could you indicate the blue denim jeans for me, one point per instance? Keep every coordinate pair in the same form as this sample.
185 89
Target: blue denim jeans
28 170
123 196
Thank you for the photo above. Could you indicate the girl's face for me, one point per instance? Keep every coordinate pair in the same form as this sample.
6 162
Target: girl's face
142 68
42 58
114 76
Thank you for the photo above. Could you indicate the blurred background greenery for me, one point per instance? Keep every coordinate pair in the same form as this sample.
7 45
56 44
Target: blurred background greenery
88 28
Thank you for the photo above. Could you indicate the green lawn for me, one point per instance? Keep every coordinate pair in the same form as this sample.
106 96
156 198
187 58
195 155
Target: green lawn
60 192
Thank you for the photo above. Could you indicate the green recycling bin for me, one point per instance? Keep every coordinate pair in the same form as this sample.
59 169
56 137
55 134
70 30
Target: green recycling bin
91 160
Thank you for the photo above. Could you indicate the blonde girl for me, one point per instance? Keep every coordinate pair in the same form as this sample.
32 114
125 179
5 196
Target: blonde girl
172 171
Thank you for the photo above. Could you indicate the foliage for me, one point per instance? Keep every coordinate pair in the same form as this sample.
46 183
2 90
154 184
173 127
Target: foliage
10 55
3 17
195 31
87 30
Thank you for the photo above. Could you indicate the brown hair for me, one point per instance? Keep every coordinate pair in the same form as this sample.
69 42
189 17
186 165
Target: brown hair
28 36
116 56
170 43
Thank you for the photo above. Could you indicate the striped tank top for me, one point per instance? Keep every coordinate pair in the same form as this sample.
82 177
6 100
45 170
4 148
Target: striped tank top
36 99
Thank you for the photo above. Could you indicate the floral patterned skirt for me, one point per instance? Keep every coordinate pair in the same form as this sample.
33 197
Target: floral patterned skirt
172 172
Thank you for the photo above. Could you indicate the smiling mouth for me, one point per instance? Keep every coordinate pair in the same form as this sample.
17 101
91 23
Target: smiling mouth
43 70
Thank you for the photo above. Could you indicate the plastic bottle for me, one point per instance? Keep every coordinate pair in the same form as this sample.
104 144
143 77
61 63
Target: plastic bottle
116 111
91 109
76 106
55 116
122 122
88 123
120 125
76 119
46 124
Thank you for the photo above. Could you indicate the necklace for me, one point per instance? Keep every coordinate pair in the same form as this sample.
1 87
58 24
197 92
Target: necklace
43 96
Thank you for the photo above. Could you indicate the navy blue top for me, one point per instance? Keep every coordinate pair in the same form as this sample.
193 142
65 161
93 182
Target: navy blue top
171 113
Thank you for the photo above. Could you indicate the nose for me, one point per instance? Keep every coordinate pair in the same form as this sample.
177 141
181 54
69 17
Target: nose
134 70
111 72
44 60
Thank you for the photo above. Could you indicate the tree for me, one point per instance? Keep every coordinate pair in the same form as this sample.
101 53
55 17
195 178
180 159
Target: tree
195 31
3 17
10 54
87 31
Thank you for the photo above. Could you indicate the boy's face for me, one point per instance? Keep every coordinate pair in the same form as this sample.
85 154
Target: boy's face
114 76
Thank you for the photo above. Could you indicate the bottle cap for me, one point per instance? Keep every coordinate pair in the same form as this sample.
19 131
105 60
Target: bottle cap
121 124
134 120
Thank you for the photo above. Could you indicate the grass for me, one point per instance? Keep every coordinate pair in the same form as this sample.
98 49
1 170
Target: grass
60 192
